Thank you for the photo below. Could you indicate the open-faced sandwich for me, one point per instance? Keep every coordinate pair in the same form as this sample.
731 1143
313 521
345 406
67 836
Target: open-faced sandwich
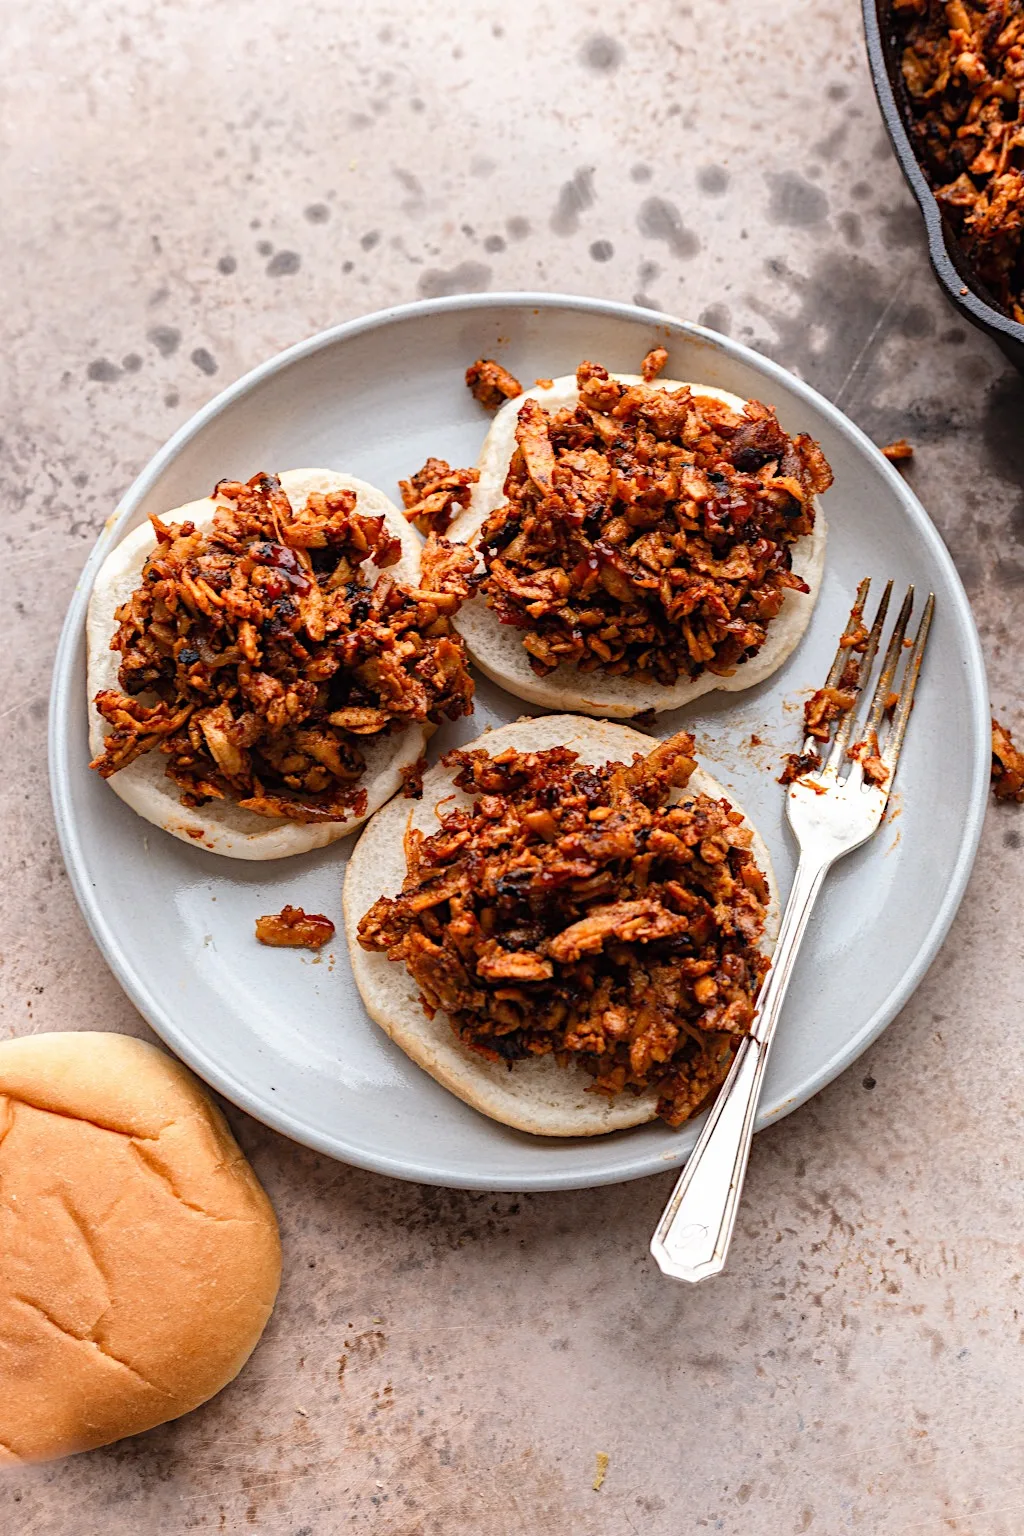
265 665
568 930
642 542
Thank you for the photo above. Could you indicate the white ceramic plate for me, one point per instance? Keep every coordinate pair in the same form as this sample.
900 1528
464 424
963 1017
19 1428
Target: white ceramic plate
283 1034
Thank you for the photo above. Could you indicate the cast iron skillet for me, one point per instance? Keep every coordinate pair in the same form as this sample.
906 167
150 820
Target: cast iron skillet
961 286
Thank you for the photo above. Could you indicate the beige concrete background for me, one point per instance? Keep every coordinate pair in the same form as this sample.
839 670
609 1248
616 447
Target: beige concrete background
188 187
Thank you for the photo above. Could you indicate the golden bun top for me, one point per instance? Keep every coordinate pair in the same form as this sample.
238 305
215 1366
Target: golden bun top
139 1255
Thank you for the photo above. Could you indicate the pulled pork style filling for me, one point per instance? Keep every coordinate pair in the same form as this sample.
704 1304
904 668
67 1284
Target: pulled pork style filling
258 654
574 910
648 532
963 68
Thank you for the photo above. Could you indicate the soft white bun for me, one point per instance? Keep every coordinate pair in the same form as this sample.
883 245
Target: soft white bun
221 825
537 1095
139 1256
498 649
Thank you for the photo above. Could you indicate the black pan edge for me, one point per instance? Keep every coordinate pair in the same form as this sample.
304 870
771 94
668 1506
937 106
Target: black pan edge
957 282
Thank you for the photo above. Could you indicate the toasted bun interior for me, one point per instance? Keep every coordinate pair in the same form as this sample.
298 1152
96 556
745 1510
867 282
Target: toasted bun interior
139 1256
537 1095
221 825
497 648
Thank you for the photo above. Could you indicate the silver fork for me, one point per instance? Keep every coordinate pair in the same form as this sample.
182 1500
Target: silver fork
830 815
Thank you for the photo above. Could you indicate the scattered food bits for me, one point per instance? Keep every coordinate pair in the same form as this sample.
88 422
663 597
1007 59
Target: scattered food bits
867 754
292 928
1007 765
796 764
431 495
543 383
856 637
827 704
412 779
602 1459
653 363
898 451
491 384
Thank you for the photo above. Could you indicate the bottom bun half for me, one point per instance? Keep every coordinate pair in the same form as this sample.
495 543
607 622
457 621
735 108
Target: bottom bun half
497 648
537 1096
220 825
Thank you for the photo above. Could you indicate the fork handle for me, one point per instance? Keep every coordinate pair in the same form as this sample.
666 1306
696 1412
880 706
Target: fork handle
692 1239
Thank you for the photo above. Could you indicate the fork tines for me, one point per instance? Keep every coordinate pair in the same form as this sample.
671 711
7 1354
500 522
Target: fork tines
848 676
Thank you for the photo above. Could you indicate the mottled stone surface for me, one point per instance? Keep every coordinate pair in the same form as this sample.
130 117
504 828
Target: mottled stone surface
189 187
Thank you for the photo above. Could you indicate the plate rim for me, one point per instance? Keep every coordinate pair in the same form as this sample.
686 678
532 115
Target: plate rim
262 1108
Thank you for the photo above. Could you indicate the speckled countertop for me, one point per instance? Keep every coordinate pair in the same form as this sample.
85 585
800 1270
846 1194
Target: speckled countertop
188 187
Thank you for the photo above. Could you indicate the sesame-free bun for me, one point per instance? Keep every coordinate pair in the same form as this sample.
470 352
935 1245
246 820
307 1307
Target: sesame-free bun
139 1256
498 649
537 1095
221 825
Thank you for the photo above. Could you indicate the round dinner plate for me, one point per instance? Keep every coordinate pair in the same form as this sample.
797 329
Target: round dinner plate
282 1033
